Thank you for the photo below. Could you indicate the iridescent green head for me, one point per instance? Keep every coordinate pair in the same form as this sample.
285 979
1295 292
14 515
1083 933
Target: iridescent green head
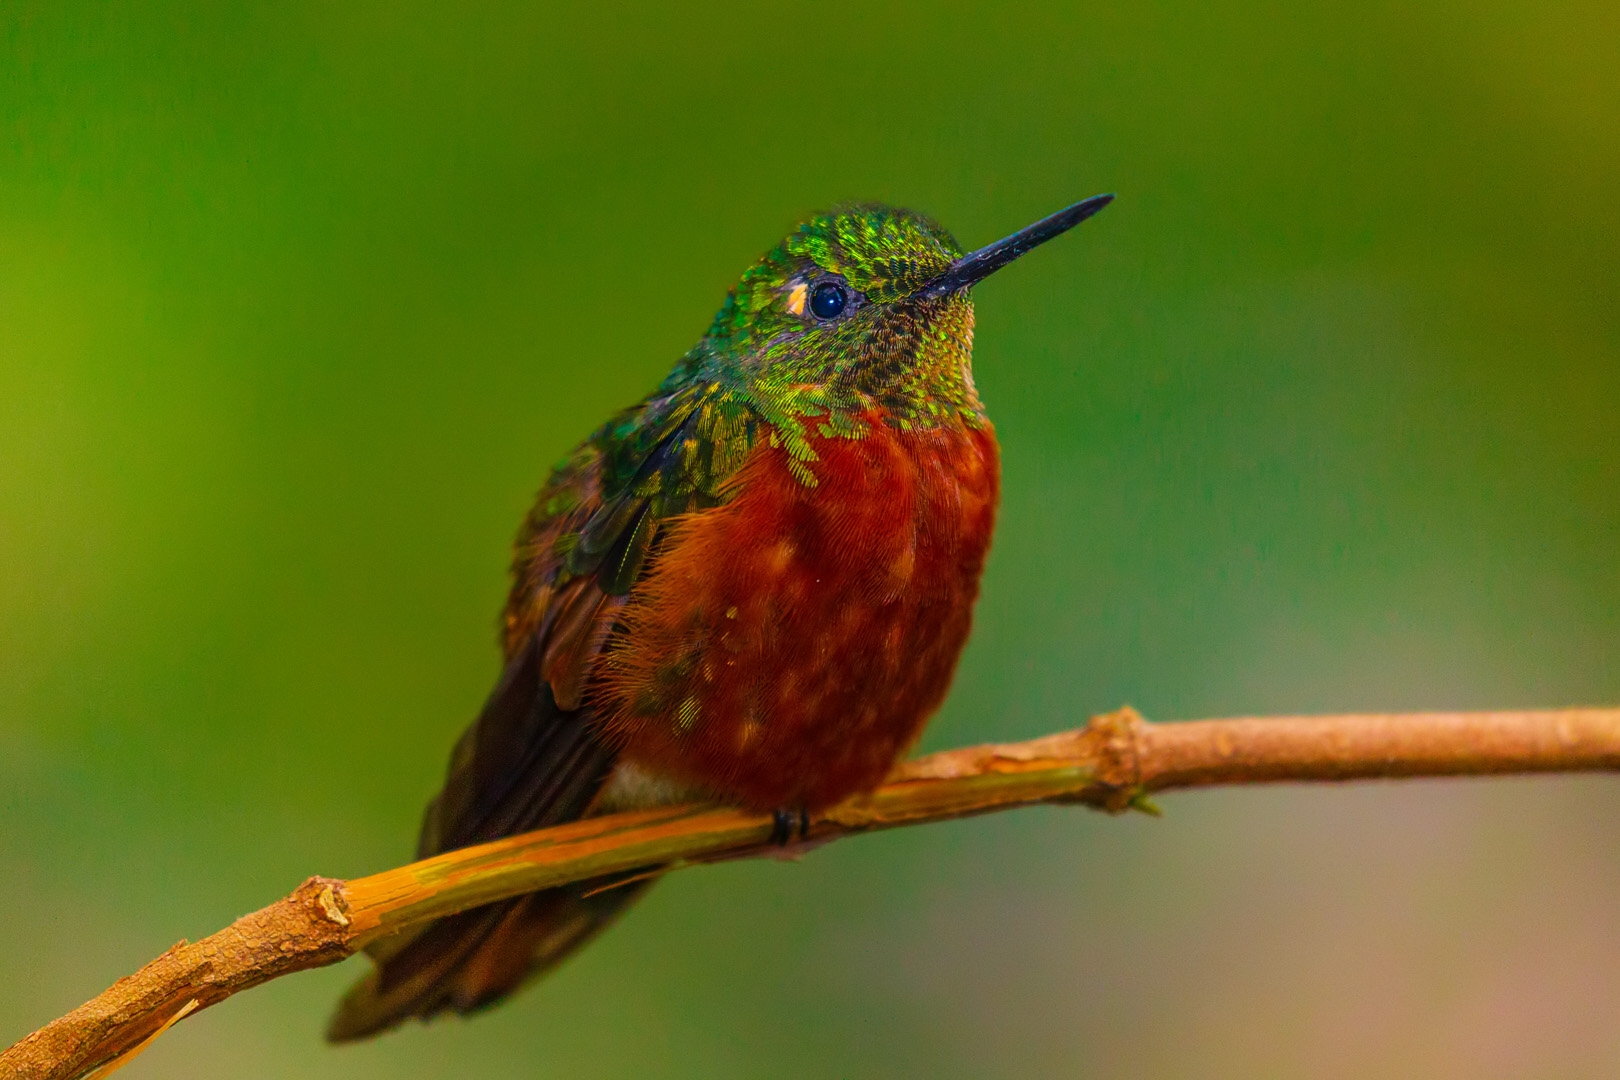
825 324
862 308
831 268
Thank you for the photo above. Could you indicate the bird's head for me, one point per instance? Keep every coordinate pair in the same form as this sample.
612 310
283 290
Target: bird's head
865 306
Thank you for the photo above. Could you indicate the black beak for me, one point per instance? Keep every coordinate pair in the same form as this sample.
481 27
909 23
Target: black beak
980 264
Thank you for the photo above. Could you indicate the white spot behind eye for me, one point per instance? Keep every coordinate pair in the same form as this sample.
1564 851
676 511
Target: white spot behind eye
795 300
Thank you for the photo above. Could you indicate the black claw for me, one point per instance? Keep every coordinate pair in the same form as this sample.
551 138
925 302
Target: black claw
787 820
781 826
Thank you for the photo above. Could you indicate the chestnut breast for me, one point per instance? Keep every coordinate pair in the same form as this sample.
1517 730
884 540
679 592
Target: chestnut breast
785 648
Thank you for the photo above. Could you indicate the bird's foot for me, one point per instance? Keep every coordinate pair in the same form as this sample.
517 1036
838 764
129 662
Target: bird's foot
786 821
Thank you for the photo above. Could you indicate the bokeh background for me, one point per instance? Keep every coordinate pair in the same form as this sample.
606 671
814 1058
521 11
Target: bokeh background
298 303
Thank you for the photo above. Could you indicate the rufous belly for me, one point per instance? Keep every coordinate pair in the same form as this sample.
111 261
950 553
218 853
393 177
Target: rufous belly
788 646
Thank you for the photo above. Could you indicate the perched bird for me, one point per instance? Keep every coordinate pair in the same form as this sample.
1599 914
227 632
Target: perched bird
751 587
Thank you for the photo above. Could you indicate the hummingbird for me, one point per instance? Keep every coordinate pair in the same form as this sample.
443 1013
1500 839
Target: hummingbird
751 587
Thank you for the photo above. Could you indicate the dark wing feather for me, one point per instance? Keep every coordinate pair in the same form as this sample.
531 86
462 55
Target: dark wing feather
524 764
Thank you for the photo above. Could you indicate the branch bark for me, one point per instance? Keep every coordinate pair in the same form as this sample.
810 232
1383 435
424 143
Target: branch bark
1114 763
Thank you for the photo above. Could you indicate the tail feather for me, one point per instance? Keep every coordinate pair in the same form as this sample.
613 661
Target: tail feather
524 764
466 962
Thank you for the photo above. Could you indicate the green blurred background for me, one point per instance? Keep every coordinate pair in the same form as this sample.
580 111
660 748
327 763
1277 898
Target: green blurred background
298 303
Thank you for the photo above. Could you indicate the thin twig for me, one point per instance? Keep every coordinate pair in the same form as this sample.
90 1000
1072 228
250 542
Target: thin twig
1113 763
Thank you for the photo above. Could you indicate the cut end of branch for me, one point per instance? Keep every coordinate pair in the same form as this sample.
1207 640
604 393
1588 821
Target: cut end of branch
330 900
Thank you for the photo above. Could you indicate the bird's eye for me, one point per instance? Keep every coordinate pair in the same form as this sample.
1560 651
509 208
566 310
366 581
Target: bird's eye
827 300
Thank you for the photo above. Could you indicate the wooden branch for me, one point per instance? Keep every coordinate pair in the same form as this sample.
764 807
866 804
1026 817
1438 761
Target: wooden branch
1113 763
